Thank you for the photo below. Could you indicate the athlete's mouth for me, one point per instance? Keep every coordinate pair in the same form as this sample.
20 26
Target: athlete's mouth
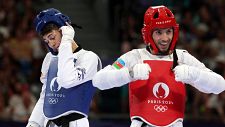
163 44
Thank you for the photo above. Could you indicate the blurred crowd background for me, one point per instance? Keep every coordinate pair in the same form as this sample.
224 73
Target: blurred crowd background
202 33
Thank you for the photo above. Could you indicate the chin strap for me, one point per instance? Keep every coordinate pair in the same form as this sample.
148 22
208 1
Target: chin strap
175 59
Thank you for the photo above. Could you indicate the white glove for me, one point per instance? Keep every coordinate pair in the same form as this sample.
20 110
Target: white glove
32 124
67 33
136 123
186 74
140 71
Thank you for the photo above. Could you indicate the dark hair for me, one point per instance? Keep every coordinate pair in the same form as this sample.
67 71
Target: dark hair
48 28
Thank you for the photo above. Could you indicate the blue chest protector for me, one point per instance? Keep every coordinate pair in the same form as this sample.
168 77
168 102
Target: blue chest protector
59 100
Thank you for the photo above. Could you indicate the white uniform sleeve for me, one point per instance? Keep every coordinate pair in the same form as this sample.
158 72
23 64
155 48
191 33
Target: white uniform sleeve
45 67
209 82
72 73
110 77
37 117
206 81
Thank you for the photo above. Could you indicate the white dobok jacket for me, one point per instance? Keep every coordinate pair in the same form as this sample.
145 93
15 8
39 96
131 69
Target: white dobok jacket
69 74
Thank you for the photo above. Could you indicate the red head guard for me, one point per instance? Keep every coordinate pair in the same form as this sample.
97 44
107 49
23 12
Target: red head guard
159 17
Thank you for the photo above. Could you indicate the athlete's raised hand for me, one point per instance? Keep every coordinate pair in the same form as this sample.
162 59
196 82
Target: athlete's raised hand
67 33
186 74
140 71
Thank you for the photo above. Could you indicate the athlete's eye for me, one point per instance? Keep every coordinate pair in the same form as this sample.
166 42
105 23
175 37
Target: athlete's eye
51 37
158 32
169 31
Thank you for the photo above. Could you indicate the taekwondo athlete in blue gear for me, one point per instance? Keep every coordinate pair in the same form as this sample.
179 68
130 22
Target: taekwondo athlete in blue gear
67 72
50 15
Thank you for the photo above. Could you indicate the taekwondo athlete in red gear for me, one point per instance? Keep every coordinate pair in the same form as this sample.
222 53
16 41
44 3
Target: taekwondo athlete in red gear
67 72
157 75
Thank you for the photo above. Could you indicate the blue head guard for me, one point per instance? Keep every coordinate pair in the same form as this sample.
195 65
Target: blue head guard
47 16
50 15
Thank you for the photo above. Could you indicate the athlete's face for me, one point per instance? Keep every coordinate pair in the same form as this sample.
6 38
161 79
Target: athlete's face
163 38
53 39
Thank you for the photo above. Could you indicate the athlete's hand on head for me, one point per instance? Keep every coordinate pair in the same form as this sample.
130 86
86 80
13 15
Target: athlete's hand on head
140 71
186 74
67 32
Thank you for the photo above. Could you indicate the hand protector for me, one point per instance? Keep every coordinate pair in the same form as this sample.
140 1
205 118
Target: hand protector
140 71
186 74
67 33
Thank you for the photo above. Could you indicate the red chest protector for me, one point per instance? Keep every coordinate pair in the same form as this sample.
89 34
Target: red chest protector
160 100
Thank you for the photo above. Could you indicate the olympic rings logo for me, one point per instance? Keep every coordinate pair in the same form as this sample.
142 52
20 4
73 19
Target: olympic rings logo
53 100
160 108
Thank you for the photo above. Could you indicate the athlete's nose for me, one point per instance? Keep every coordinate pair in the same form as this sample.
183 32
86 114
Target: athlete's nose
51 43
164 37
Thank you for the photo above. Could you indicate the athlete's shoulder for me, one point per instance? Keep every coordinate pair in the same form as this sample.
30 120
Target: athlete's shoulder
139 50
185 57
131 58
88 53
49 54
48 57
134 52
46 62
182 52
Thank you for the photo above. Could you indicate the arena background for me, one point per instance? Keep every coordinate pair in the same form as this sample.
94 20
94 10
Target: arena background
110 28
